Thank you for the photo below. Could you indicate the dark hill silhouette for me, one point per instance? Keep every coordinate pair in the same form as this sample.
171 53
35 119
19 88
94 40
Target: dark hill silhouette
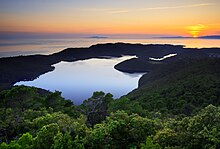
14 69
98 37
210 37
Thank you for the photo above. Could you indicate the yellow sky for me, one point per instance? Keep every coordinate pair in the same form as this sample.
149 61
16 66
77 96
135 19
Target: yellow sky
171 17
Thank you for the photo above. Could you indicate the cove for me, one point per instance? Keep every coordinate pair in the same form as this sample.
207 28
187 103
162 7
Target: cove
78 80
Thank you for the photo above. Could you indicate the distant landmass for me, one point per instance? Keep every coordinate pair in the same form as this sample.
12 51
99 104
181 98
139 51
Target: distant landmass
200 37
98 37
175 37
211 37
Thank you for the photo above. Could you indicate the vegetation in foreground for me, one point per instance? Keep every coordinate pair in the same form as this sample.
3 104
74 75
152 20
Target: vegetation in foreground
184 112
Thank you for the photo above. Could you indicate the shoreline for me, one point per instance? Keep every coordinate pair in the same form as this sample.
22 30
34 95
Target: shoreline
20 68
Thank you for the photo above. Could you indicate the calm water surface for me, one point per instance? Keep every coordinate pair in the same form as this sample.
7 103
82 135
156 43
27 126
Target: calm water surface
78 80
14 47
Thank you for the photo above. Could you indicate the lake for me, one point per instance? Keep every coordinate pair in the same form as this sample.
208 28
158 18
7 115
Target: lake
78 80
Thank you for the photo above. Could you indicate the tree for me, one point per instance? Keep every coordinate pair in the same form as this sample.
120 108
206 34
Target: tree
25 141
45 137
121 130
150 144
63 141
96 107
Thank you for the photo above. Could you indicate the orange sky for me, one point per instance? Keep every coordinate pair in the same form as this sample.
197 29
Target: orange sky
171 17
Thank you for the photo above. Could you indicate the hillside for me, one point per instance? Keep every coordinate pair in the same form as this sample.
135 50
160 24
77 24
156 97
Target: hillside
180 87
175 106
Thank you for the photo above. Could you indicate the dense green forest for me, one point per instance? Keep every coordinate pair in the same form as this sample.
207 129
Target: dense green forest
175 106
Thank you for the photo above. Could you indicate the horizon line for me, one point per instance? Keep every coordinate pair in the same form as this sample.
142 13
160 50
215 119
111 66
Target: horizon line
16 34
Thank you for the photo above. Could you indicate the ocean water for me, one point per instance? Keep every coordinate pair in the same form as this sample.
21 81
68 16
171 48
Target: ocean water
15 47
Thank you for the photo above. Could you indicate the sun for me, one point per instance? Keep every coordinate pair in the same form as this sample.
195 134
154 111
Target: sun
195 30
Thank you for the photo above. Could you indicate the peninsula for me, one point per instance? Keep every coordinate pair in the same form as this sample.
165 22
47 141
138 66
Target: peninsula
22 68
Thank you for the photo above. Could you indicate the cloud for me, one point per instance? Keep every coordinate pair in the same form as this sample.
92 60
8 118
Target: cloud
111 11
97 9
118 11
121 10
177 7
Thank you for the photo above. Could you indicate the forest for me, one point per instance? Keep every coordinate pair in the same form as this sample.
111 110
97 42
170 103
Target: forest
176 106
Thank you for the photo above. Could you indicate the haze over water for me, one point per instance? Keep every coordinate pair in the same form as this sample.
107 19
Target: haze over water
15 47
131 21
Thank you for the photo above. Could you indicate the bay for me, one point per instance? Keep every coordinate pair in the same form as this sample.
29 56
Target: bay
78 80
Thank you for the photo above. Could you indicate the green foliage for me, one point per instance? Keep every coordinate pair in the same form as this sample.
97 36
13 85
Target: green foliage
182 87
21 98
96 107
63 141
121 130
45 136
25 141
125 104
205 127
166 137
150 144
20 106
3 145
176 112
198 131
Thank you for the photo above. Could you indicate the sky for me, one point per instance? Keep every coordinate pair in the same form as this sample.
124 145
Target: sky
100 17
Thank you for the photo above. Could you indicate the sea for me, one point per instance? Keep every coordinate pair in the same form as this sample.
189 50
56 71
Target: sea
78 80
15 47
